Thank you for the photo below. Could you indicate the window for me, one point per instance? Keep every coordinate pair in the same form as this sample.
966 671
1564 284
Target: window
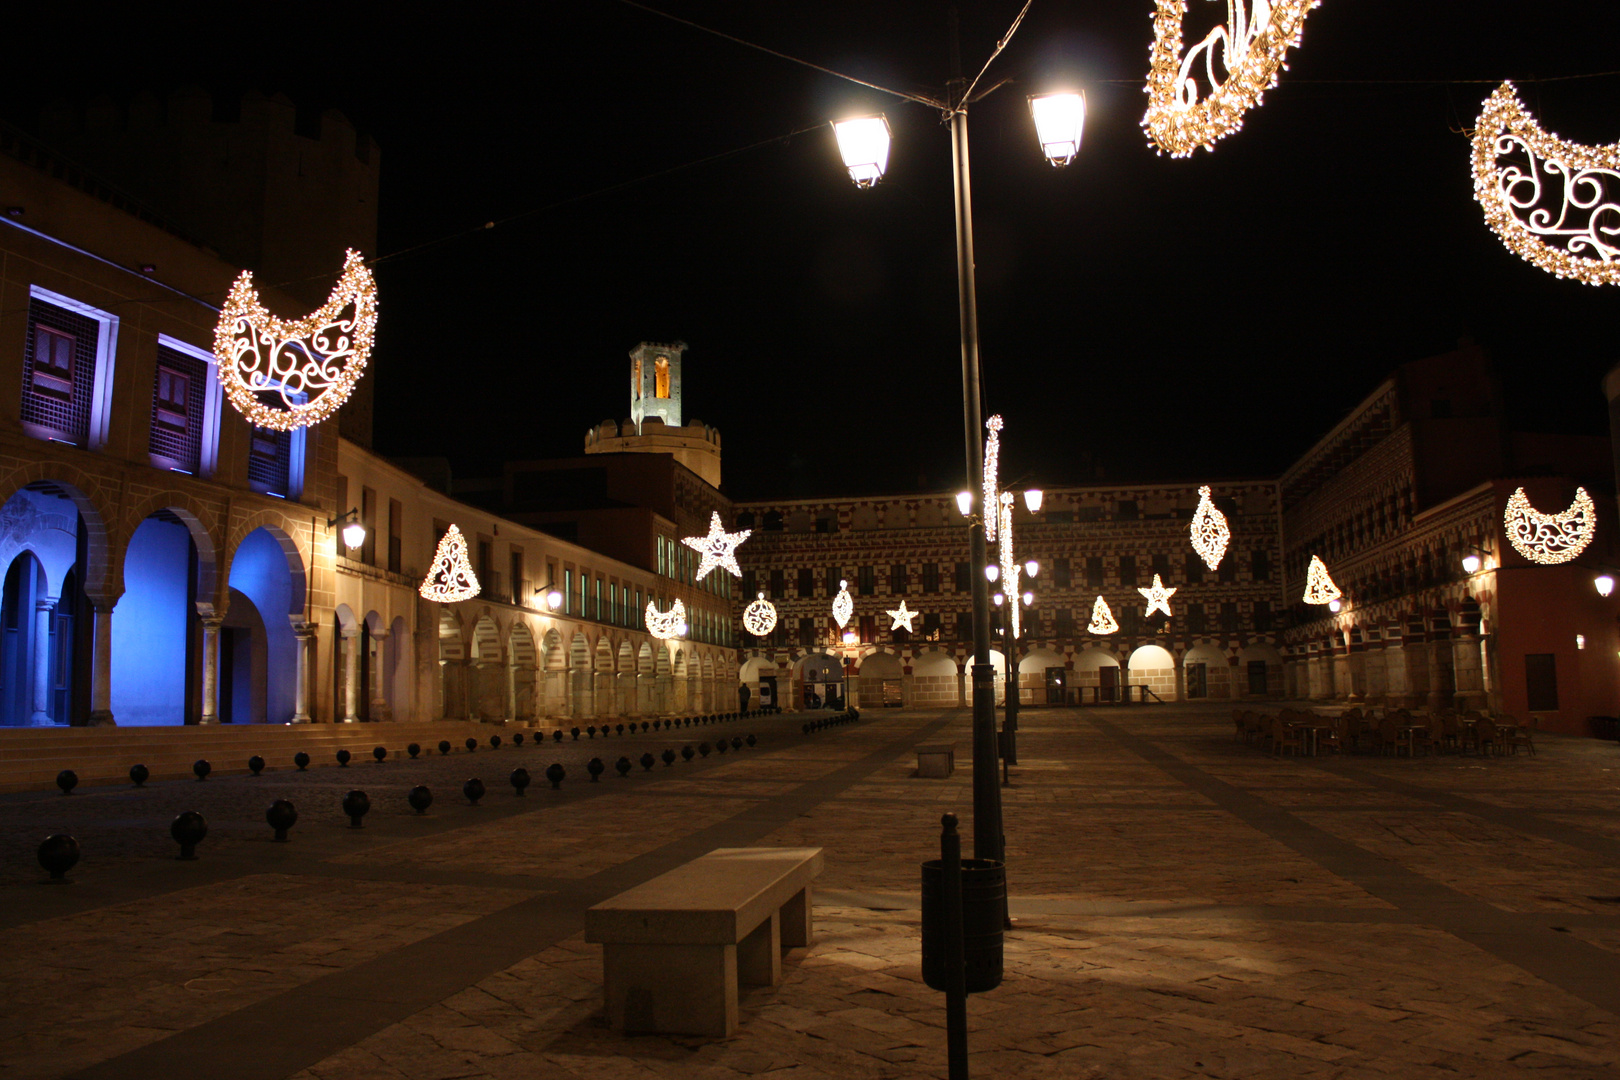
1196 622
68 355
807 632
1130 619
824 524
1062 576
1260 564
1262 614
898 578
171 398
638 613
964 580
930 578
175 440
368 518
518 584
773 521
53 361
964 626
866 581
778 586
749 585
931 626
1541 681
1060 517
269 461
596 601
834 576
807 583
1064 618
1229 616
1094 571
1125 510
1227 571
1127 569
1161 566
745 520
1195 569
568 592
396 527
1257 677
661 377
868 629
486 584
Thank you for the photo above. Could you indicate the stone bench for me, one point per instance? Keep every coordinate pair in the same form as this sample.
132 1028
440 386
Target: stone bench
936 761
675 948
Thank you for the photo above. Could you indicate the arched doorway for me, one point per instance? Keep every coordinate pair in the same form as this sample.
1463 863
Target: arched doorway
1152 666
1096 676
399 661
879 682
45 654
266 586
452 668
821 681
1205 673
936 680
157 632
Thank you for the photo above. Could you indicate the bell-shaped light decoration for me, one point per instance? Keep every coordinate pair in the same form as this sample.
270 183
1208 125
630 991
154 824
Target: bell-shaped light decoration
863 142
1604 584
1471 563
964 502
1059 119
1033 499
354 534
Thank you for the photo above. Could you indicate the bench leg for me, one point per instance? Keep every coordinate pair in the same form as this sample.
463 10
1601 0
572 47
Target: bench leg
759 955
673 989
797 929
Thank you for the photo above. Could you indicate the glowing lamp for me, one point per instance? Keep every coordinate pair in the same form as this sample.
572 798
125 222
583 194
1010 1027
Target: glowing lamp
1471 563
1580 641
998 599
1029 598
1033 499
863 142
1334 606
354 534
992 572
1604 584
849 637
554 599
1031 567
1059 119
964 502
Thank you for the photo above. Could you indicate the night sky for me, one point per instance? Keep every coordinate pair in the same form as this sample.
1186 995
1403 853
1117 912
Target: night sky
1156 318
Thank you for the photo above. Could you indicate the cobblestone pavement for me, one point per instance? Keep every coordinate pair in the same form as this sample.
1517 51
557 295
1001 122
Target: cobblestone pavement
1186 906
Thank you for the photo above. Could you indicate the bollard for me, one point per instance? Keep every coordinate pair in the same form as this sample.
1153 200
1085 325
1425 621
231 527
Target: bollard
557 735
594 767
67 780
644 725
494 742
590 732
471 744
356 803
380 753
281 816
201 768
555 773
520 779
751 741
301 760
623 765
413 750
255 764
720 746
188 831
574 731
736 742
343 758
669 758
420 797
444 746
58 854
620 728
647 761
138 774
473 789
703 748
687 753
517 738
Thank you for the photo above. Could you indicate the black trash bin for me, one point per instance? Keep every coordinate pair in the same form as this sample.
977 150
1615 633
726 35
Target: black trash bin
984 903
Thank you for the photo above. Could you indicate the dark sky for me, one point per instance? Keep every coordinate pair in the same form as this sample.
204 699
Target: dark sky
1175 319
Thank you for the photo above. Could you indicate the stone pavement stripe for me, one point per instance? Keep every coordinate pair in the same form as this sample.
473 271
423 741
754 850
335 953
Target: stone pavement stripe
1561 959
303 1026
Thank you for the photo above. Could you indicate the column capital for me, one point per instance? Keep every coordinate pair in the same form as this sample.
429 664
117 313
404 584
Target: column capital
213 622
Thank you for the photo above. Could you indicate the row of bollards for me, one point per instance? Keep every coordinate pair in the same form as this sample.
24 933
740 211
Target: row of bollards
59 852
848 716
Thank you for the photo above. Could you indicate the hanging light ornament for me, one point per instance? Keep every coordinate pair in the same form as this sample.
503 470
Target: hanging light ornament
719 548
1550 539
1252 46
664 625
1556 204
843 605
902 617
992 482
1102 619
759 618
307 368
1158 597
1010 567
1209 532
450 579
1319 588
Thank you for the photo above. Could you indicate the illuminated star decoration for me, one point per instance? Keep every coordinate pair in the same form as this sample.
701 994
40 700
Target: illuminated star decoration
759 618
664 625
902 617
310 364
992 457
1252 46
1550 539
843 605
450 578
1209 532
1555 204
1158 597
1319 588
1102 620
719 548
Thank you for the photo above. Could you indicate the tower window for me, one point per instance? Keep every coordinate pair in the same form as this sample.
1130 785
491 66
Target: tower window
661 377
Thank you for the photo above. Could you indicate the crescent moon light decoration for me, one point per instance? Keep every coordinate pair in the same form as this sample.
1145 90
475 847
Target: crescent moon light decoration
285 375
1554 203
1252 45
759 618
664 625
1550 539
450 579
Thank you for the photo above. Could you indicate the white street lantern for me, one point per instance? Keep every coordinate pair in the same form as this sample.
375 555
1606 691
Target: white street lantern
964 502
1059 119
554 599
992 572
1471 563
1604 583
863 142
354 534
1031 567
1032 500
998 599
1029 598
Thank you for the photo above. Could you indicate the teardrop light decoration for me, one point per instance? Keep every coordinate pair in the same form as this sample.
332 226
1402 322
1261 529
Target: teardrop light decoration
1209 532
285 375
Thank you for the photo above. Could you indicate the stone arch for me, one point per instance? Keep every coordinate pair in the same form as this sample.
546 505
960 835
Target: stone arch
265 575
644 659
936 679
199 522
627 657
486 640
521 662
399 665
880 681
1153 666
100 577
1260 671
271 522
551 650
1216 678
452 666
820 679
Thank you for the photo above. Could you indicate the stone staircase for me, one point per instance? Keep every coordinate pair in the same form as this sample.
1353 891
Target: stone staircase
30 758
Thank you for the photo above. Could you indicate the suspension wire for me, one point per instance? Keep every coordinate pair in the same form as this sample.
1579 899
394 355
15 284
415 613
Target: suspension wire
918 98
967 94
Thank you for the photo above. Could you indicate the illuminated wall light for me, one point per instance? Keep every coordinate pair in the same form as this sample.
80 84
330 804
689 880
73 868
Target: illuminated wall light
1580 641
1556 210
1604 583
1471 563
850 638
1335 606
863 143
1102 619
902 617
450 579
759 618
1319 588
1209 532
1253 46
1158 597
719 548
843 605
554 599
992 482
665 625
1550 539
311 364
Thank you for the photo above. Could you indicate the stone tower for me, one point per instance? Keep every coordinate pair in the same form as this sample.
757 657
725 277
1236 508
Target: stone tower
655 425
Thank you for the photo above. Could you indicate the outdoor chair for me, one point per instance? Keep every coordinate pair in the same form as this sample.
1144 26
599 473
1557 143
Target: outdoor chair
1519 736
1283 736
1489 738
1451 730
